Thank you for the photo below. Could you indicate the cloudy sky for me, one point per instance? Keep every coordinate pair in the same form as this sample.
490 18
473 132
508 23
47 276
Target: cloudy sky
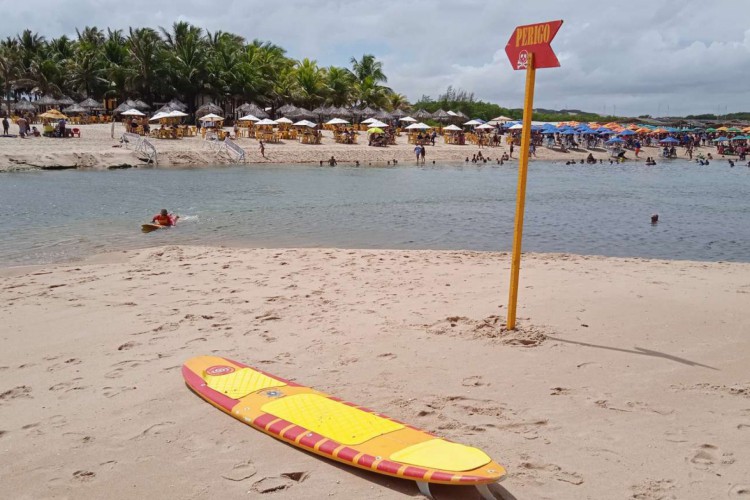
626 57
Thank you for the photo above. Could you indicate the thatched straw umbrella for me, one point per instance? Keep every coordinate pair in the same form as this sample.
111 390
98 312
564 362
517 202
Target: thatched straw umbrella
287 109
399 113
91 104
383 115
141 106
341 112
178 105
65 101
121 108
207 109
75 109
441 115
255 110
23 105
301 113
368 112
422 114
46 100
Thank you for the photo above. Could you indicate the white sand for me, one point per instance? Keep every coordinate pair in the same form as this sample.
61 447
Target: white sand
96 149
629 378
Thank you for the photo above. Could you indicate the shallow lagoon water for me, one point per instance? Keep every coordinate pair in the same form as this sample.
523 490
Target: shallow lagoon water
704 212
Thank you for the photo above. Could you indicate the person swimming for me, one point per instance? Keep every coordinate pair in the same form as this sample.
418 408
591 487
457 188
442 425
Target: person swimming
164 218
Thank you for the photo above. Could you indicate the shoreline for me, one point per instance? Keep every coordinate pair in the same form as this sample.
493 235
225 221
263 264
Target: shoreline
607 367
95 149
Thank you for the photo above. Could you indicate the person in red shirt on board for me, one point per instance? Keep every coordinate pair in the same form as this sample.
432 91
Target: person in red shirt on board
164 218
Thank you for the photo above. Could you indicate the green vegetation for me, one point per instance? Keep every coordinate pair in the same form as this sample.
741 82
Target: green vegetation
184 61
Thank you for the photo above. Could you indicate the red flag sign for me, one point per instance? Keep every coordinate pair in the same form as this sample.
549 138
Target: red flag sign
533 39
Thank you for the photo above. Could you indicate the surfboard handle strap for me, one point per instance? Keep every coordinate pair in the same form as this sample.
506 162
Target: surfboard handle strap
484 490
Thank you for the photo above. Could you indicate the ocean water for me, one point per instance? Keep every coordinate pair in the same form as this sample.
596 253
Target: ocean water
704 212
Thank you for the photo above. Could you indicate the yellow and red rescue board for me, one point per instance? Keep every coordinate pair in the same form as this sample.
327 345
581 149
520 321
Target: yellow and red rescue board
335 429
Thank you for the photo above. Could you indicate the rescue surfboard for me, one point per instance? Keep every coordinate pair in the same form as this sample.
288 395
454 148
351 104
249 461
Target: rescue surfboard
338 430
147 228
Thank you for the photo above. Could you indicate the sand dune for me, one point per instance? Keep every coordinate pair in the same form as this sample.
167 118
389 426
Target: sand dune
627 379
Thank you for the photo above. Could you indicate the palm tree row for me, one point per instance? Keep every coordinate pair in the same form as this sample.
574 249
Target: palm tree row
185 62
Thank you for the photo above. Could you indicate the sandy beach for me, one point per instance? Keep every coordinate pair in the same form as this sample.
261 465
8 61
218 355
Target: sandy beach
627 379
98 150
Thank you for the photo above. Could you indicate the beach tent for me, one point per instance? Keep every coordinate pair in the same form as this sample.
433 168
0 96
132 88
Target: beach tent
250 118
337 121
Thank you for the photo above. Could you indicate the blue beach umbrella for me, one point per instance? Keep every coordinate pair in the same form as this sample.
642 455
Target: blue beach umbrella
605 131
669 140
627 132
614 140
721 139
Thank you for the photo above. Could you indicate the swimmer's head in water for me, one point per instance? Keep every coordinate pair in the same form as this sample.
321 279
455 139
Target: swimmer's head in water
164 211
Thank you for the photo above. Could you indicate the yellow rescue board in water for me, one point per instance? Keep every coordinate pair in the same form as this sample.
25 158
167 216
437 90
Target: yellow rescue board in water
335 429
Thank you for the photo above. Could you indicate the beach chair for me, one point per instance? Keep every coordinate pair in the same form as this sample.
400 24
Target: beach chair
76 132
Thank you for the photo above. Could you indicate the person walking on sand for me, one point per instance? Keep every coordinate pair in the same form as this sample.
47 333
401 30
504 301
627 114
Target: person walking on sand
511 150
417 151
262 148
422 152
6 125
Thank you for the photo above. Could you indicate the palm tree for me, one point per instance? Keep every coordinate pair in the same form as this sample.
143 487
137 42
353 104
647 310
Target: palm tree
11 66
368 67
186 60
339 82
115 65
145 54
311 82
397 101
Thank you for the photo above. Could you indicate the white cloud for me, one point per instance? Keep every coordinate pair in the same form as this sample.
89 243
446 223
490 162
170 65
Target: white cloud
688 56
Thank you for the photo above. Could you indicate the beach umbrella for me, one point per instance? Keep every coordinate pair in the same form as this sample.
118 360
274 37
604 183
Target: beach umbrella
710 129
301 113
158 116
320 110
341 112
337 121
383 115
487 126
722 129
141 105
627 132
53 114
669 140
517 126
132 112
177 104
208 109
398 113
740 138
461 114
377 123
721 139
24 105
422 114
418 126
367 112
442 116
211 118
454 128
615 140
604 131
249 118
91 104
283 120
408 119
734 130
287 109
375 130
266 121
176 113
304 123
243 108
65 101
46 100
75 109
255 110
121 108
369 120
501 119
473 122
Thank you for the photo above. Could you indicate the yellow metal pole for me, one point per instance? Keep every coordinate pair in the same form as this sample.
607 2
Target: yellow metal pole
523 164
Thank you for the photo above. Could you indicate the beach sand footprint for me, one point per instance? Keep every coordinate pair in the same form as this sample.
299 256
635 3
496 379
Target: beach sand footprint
240 471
